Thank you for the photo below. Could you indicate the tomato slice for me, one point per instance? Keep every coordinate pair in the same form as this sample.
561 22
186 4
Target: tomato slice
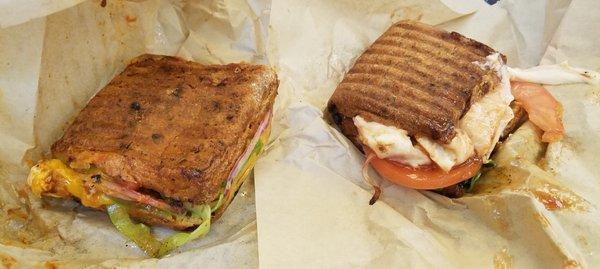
542 109
425 178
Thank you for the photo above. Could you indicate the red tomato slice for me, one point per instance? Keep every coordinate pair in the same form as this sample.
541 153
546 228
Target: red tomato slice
542 108
425 178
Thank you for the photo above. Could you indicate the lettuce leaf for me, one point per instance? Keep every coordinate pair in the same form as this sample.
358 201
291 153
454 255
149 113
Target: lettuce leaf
138 233
472 181
180 239
142 234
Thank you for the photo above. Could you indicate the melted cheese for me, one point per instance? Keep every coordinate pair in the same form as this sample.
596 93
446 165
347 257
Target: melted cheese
480 128
555 74
485 121
494 62
447 156
478 131
54 178
487 118
390 143
248 165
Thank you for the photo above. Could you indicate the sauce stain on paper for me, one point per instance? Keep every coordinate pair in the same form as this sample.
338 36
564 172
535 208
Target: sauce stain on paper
503 260
130 18
7 261
50 265
554 198
582 240
4 113
498 216
594 96
413 12
570 264
573 144
522 169
538 184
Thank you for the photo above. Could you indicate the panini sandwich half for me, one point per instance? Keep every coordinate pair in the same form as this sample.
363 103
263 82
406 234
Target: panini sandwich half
167 142
426 106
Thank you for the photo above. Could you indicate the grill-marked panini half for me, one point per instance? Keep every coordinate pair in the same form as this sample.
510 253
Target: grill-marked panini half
166 142
416 78
426 106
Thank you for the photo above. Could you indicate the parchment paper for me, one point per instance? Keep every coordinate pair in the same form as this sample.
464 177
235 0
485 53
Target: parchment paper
312 205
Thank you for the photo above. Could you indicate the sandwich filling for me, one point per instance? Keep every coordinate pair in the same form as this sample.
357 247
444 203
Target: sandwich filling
422 163
95 189
478 132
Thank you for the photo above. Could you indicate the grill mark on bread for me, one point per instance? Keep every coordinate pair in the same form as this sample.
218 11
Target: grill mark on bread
364 102
416 78
359 89
151 141
402 91
421 56
480 49
442 54
396 56
437 85
448 62
409 80
433 43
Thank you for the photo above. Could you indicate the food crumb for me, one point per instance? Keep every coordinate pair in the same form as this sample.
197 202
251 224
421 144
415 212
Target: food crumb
582 240
503 260
130 18
569 264
50 265
594 96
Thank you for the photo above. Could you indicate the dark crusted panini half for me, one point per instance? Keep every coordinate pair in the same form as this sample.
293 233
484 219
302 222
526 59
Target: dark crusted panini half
171 128
414 77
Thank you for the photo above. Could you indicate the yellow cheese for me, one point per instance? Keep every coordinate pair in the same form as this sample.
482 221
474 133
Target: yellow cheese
54 178
249 164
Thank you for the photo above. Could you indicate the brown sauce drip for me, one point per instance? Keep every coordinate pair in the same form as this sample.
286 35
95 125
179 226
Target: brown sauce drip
503 260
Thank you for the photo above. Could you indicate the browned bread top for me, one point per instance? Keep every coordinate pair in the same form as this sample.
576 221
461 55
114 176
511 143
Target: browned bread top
414 77
170 126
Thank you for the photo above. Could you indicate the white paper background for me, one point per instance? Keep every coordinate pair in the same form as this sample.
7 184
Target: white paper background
310 200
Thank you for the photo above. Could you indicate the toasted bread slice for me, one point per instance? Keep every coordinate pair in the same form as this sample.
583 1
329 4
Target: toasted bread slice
414 77
170 127
518 120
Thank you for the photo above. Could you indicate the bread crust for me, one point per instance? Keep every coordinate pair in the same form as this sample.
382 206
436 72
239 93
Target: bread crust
171 127
414 77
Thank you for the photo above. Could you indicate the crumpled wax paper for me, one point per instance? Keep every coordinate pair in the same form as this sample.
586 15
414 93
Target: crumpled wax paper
537 209
55 55
311 204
